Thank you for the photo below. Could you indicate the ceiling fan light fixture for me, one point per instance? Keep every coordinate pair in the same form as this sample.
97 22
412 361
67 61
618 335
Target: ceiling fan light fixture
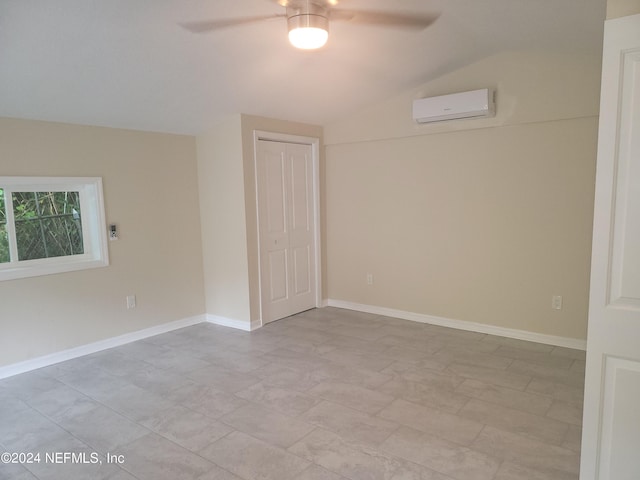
308 31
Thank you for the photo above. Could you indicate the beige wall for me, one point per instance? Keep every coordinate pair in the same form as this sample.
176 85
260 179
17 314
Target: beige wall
222 213
476 220
622 8
150 191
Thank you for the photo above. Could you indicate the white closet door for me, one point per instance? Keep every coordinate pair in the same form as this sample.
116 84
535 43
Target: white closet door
611 427
287 228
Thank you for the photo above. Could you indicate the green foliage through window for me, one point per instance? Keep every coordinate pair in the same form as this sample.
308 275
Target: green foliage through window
47 224
4 235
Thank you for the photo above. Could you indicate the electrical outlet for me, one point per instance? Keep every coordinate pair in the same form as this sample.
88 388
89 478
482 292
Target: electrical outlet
556 302
131 302
369 278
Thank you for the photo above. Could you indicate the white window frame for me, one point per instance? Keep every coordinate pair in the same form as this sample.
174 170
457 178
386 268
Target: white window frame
94 232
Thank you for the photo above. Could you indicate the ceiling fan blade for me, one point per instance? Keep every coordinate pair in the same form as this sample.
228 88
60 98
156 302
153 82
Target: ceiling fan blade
385 19
211 25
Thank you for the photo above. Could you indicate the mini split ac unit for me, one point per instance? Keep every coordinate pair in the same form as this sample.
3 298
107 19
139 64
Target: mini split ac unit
477 103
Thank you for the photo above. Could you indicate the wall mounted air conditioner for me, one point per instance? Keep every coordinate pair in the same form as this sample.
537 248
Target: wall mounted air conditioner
477 103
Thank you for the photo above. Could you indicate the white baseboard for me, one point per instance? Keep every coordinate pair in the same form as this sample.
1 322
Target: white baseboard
464 325
230 322
57 357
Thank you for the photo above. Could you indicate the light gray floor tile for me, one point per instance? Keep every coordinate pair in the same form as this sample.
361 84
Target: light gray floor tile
298 379
143 350
355 376
345 458
443 402
25 430
564 376
207 400
217 473
427 363
94 382
267 425
463 344
303 346
461 335
415 372
11 403
432 421
350 424
573 440
512 471
134 402
235 361
115 430
153 457
556 391
189 429
405 351
566 412
507 397
414 471
115 362
445 457
284 400
502 378
176 360
408 330
516 421
425 394
579 366
28 384
372 333
62 402
353 396
350 358
419 346
223 379
465 355
289 358
314 472
526 451
74 365
539 358
250 458
301 333
156 380
355 345
523 344
14 471
569 353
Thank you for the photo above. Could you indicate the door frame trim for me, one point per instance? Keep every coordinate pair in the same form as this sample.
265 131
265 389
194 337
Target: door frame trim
314 142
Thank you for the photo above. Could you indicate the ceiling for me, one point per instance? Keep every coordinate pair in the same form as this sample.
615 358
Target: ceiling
128 64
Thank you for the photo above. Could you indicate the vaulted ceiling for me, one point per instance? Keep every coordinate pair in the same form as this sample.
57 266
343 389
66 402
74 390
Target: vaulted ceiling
128 63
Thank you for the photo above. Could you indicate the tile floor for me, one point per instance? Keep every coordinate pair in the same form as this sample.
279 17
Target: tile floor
325 395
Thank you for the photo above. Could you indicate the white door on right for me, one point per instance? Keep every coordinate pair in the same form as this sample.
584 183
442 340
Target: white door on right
611 426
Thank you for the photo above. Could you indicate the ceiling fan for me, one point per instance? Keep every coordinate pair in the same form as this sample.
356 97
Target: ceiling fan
308 20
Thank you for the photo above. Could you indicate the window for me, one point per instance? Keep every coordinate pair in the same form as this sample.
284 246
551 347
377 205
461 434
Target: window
50 225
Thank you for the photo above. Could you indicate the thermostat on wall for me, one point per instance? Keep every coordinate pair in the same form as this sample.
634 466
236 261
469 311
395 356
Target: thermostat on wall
113 232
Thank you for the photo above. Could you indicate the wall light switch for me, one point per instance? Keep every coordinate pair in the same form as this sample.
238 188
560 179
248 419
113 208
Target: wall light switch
131 302
556 302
